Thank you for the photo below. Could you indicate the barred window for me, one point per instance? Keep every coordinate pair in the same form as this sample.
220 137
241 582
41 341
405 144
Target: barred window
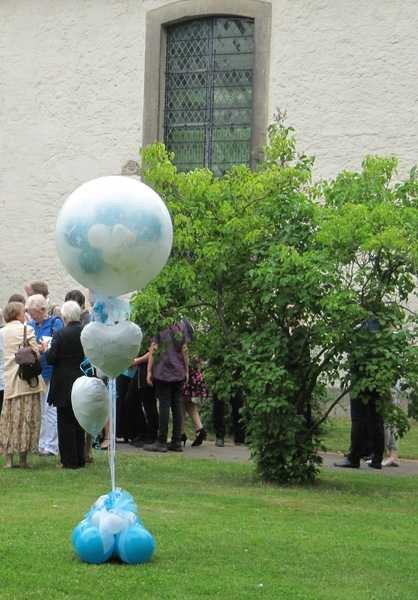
209 92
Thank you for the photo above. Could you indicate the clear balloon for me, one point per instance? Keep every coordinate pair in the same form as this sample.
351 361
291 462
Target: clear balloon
114 234
112 348
90 402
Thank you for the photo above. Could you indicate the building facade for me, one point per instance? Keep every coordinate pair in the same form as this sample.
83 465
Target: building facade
85 83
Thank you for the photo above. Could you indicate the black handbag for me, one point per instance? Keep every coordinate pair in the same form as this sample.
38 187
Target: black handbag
28 361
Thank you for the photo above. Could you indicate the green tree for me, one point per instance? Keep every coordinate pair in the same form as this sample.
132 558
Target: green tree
277 274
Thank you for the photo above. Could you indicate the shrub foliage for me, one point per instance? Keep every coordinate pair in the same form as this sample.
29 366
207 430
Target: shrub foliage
278 273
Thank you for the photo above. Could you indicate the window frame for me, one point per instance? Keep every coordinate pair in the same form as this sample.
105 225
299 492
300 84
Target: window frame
155 59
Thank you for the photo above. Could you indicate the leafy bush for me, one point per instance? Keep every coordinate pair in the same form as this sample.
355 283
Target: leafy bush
279 275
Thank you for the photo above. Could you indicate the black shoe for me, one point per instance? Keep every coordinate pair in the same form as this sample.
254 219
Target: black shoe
156 447
347 463
175 447
183 439
201 435
219 442
374 464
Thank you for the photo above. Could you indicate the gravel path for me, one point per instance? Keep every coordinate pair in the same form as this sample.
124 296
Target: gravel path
241 454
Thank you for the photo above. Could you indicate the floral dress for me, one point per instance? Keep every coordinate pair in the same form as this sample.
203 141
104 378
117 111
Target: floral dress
195 390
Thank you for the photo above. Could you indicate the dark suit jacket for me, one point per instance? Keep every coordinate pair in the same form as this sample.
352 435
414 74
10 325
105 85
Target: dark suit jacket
65 354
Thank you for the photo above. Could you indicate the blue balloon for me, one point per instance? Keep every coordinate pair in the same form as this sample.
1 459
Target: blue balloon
78 530
91 260
91 547
135 545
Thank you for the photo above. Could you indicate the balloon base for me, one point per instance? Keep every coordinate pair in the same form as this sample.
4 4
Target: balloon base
112 529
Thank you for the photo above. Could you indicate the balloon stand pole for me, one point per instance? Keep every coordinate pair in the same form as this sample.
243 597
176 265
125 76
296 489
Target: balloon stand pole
112 431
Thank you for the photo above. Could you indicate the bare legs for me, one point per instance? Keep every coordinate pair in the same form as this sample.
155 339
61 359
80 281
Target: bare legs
105 444
23 461
9 461
191 409
193 412
392 445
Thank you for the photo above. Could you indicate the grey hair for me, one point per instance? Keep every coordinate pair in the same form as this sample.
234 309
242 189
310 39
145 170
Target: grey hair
71 311
12 311
36 301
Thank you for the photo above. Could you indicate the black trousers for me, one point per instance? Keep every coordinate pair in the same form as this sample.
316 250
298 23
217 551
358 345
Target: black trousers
127 417
169 394
367 427
70 438
218 414
149 425
137 414
142 410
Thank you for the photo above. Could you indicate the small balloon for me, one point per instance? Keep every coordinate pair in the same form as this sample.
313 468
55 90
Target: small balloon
135 545
111 348
89 399
91 547
114 234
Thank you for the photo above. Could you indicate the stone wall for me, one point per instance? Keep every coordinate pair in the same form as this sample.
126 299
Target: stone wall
71 91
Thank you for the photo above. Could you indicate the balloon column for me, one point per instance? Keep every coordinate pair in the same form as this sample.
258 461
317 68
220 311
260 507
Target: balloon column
113 235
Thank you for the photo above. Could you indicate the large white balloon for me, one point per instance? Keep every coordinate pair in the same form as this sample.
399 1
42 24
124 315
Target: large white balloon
114 234
112 348
89 399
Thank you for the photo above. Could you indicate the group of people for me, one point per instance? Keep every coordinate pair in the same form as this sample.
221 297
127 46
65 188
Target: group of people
37 416
163 373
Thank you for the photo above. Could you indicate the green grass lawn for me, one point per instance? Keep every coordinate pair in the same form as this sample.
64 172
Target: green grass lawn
220 534
337 438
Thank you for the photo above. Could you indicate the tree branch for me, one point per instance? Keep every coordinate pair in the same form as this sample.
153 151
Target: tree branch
332 405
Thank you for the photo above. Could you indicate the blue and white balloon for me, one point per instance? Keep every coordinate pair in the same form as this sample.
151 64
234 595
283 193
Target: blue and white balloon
114 234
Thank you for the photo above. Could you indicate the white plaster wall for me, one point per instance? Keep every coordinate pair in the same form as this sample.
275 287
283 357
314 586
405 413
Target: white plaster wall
71 88
346 72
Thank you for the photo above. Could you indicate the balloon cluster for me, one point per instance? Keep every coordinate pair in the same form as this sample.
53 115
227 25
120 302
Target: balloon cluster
113 235
113 528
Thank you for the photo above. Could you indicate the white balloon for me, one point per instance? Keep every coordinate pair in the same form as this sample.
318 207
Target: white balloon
114 234
112 348
89 399
99 236
112 523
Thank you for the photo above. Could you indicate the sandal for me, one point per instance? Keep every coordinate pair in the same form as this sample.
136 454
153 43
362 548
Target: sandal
104 445
201 435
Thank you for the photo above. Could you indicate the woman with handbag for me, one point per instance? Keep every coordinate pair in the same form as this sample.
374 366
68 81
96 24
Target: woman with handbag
21 414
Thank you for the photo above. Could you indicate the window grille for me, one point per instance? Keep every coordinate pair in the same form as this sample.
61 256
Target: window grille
208 92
